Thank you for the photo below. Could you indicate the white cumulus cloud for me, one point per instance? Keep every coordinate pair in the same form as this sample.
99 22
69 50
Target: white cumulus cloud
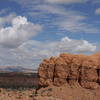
19 31
85 47
33 52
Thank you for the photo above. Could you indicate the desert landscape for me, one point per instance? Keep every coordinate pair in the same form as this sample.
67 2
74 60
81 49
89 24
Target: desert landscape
49 49
67 77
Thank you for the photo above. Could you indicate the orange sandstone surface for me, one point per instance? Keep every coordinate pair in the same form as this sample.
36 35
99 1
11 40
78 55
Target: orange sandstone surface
72 69
70 77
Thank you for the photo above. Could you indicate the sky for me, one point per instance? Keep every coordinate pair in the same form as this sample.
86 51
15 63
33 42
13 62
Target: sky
32 30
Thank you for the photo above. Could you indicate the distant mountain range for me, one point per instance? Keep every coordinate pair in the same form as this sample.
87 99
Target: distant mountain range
16 69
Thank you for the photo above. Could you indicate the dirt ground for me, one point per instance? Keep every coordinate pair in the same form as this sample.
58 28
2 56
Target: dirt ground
7 94
64 92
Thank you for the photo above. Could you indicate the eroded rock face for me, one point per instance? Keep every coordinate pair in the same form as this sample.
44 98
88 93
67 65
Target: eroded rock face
72 69
89 75
46 71
60 72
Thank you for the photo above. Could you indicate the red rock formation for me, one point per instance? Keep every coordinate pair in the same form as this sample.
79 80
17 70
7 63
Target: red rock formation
97 57
46 71
72 69
89 75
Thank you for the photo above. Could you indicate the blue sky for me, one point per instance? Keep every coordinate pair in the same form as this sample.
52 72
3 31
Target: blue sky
31 30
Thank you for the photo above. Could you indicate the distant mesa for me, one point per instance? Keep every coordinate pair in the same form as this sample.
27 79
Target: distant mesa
5 69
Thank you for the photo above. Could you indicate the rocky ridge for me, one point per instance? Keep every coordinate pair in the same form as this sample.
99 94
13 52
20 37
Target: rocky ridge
75 70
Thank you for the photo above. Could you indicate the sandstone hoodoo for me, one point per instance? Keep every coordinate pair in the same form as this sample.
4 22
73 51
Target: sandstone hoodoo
75 70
